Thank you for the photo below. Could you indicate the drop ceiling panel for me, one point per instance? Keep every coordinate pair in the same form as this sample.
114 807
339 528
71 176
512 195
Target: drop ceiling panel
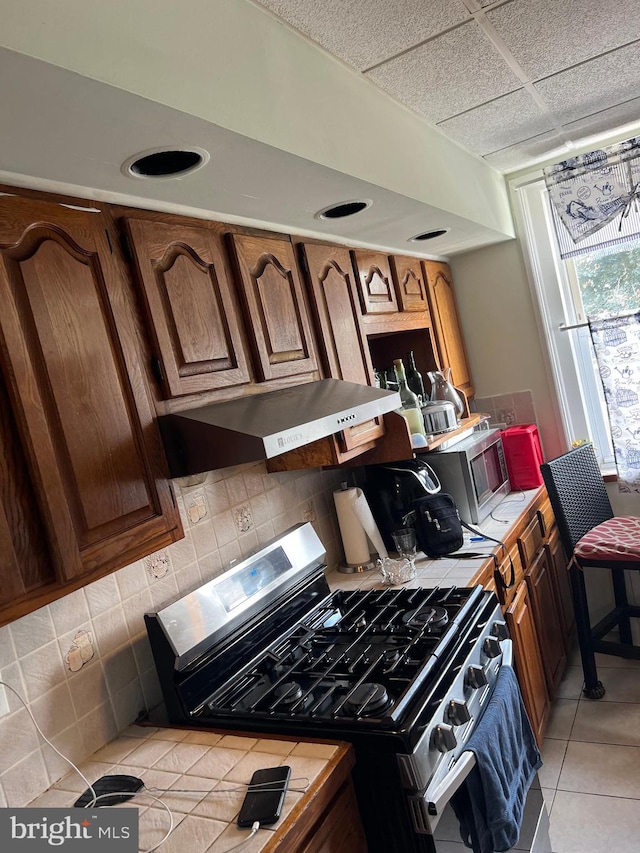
544 145
546 36
448 75
593 86
365 32
498 124
623 115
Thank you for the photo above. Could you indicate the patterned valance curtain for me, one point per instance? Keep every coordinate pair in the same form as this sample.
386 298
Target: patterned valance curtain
616 341
594 198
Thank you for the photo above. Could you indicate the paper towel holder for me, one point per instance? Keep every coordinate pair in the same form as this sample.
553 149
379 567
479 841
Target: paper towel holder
354 568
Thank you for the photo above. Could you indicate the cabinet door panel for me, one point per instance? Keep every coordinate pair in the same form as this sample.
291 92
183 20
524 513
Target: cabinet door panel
192 313
377 294
409 281
276 312
547 620
560 574
444 313
334 302
528 661
82 408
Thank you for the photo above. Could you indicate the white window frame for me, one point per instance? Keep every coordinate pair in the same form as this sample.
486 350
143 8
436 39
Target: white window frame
553 283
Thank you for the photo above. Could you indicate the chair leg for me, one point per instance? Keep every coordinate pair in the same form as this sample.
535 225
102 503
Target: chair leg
593 689
620 595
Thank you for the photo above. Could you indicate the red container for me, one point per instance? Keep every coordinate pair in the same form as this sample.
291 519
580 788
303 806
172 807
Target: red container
523 455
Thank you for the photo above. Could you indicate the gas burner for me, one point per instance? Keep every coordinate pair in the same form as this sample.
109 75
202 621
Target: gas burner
391 655
366 699
426 616
288 692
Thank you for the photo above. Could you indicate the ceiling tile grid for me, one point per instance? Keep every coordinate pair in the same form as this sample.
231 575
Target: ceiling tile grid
448 75
513 81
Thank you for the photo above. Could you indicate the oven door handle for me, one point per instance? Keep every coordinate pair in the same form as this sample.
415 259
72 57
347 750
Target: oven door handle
437 797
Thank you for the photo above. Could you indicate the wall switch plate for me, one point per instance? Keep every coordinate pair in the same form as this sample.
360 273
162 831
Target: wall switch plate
4 703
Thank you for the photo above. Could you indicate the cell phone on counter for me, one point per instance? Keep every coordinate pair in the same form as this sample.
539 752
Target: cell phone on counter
265 797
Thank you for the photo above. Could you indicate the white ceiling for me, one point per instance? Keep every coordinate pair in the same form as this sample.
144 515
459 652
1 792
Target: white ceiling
514 81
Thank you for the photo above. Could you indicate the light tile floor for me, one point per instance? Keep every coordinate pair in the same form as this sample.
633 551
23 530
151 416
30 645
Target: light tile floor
591 772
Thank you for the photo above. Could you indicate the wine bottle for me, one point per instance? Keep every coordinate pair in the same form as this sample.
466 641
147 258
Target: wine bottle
414 379
410 403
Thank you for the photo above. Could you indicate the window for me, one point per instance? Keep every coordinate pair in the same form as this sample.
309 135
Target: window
604 281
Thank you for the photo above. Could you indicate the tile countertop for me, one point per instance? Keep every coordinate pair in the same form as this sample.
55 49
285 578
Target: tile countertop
447 571
202 762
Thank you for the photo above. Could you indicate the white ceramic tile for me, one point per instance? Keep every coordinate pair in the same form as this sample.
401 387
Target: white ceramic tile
304 768
98 727
54 710
607 722
549 796
42 670
248 543
203 537
583 823
571 685
102 595
543 50
25 780
225 528
563 712
170 734
189 791
207 738
253 477
149 752
210 566
553 752
18 736
315 750
181 758
182 552
91 771
151 690
216 763
32 631
228 554
596 768
277 747
218 497
195 834
119 668
163 591
265 533
222 805
128 704
196 506
7 651
114 752
232 836
12 675
70 744
78 648
154 824
53 799
110 629
88 688
134 609
238 742
69 612
244 769
621 685
189 578
131 580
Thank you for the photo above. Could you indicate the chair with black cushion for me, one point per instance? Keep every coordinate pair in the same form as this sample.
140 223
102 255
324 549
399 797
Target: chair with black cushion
594 538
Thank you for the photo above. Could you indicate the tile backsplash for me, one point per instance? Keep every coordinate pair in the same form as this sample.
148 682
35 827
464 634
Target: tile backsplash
83 664
508 409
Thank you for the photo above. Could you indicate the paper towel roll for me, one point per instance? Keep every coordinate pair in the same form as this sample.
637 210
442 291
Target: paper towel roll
358 528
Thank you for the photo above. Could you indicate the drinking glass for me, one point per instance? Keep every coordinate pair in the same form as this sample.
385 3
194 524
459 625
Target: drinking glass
405 542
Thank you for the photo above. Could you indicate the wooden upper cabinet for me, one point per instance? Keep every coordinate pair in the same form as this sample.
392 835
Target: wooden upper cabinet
377 293
342 345
277 319
446 323
192 313
410 285
83 415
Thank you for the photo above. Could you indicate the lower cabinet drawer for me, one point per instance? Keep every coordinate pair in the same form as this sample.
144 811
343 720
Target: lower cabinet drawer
510 572
529 541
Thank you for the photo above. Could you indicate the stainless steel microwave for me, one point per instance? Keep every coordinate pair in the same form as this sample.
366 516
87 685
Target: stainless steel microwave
473 472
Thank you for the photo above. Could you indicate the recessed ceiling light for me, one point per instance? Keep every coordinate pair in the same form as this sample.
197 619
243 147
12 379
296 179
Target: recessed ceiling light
428 235
159 163
344 208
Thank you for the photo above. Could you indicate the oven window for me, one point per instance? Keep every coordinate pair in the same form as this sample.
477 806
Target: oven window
480 480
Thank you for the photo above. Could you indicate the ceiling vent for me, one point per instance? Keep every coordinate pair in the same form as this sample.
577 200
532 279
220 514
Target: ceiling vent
165 163
428 235
345 208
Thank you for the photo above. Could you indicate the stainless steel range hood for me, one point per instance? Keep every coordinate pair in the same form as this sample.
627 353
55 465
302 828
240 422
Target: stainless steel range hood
262 426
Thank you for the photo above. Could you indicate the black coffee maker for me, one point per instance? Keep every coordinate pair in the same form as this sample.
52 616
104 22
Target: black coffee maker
390 490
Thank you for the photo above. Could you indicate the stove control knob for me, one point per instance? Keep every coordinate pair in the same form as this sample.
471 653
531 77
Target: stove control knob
476 677
444 738
500 630
457 713
491 647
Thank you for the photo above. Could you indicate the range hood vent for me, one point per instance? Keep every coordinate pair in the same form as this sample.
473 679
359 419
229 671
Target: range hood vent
262 426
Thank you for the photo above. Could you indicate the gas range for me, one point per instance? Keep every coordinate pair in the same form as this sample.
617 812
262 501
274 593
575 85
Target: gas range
403 674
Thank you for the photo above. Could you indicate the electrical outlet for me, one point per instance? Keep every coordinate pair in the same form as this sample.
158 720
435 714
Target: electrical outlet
4 704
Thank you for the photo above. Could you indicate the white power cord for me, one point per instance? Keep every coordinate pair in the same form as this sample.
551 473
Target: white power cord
147 791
